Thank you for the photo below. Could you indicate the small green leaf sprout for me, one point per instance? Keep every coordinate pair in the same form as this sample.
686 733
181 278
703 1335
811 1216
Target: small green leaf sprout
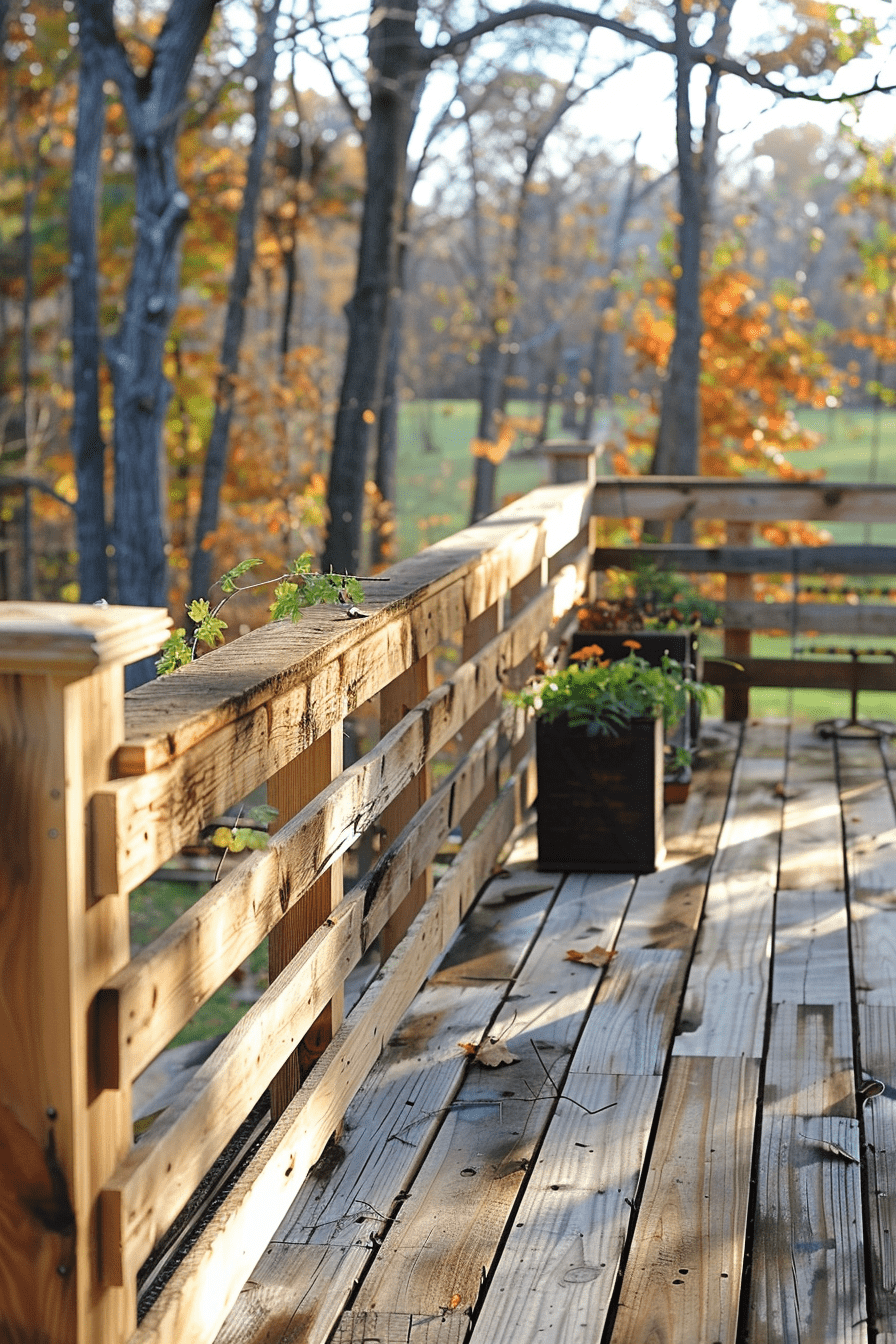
298 588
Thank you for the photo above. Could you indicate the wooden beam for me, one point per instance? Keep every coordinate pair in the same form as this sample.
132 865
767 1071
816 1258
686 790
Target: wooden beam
738 588
422 599
800 560
842 618
291 789
140 822
396 699
208 1280
671 497
802 673
61 720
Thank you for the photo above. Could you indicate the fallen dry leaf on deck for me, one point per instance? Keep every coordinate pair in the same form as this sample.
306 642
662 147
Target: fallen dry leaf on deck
833 1148
490 1053
595 956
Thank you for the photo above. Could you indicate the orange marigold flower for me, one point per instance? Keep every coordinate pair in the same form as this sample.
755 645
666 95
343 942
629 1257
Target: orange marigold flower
629 644
592 651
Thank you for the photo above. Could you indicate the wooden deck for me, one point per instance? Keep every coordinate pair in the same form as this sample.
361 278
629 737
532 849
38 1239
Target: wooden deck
676 1152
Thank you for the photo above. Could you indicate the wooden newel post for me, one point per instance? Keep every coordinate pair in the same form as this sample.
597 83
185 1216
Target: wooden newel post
61 722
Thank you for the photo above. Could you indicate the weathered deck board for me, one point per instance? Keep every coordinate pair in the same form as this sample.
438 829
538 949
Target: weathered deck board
877 1031
808 1269
451 1227
557 1272
682 1279
501 1205
725 999
348 1200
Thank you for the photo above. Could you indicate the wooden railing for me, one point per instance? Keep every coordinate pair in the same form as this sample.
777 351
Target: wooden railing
743 506
100 789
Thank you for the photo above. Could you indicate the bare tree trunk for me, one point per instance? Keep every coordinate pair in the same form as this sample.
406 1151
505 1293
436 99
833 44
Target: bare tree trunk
678 440
216 453
398 67
153 104
88 447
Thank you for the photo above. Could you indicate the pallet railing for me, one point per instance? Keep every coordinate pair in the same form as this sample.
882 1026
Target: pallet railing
742 505
102 789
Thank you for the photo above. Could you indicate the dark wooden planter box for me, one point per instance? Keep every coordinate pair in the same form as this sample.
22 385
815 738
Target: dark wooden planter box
600 799
682 645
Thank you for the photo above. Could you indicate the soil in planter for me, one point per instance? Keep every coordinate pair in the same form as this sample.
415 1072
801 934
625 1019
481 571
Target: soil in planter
600 799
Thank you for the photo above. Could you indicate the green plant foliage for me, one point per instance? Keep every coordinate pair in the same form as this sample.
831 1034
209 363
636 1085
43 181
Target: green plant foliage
602 697
300 587
650 598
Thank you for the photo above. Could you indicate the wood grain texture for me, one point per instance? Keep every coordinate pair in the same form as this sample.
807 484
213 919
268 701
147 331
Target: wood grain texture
557 1271
809 1064
723 1011
379 1327
811 948
877 1032
208 1281
425 597
682 1278
451 1229
154 815
808 1279
869 825
629 1029
811 839
718 497
61 721
291 789
293 1295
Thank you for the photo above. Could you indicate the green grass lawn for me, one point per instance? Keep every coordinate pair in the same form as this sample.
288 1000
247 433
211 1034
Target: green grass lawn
154 907
435 470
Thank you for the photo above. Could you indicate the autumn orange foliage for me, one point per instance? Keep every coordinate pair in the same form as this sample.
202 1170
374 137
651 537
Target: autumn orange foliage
761 358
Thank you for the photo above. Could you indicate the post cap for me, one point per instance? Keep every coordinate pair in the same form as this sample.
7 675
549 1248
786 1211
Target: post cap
66 637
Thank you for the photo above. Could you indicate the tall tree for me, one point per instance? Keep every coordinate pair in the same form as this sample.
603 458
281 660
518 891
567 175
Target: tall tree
399 63
216 452
154 100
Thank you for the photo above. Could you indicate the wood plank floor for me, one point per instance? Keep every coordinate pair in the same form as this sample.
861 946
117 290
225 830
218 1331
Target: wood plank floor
680 1151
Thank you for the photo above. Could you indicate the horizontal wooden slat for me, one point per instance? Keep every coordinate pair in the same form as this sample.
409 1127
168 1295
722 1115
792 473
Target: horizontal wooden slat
140 822
841 618
207 1282
151 999
151 1187
801 673
411 609
671 497
800 560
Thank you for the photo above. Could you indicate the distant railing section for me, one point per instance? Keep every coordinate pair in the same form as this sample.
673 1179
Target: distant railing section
743 506
101 789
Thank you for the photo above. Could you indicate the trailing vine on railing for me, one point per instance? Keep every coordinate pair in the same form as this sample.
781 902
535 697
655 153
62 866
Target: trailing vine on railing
298 588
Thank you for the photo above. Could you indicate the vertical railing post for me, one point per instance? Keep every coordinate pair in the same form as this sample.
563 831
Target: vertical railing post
289 791
738 587
396 700
61 722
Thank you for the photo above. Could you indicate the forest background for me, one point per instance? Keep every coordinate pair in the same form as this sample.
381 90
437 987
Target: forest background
254 255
